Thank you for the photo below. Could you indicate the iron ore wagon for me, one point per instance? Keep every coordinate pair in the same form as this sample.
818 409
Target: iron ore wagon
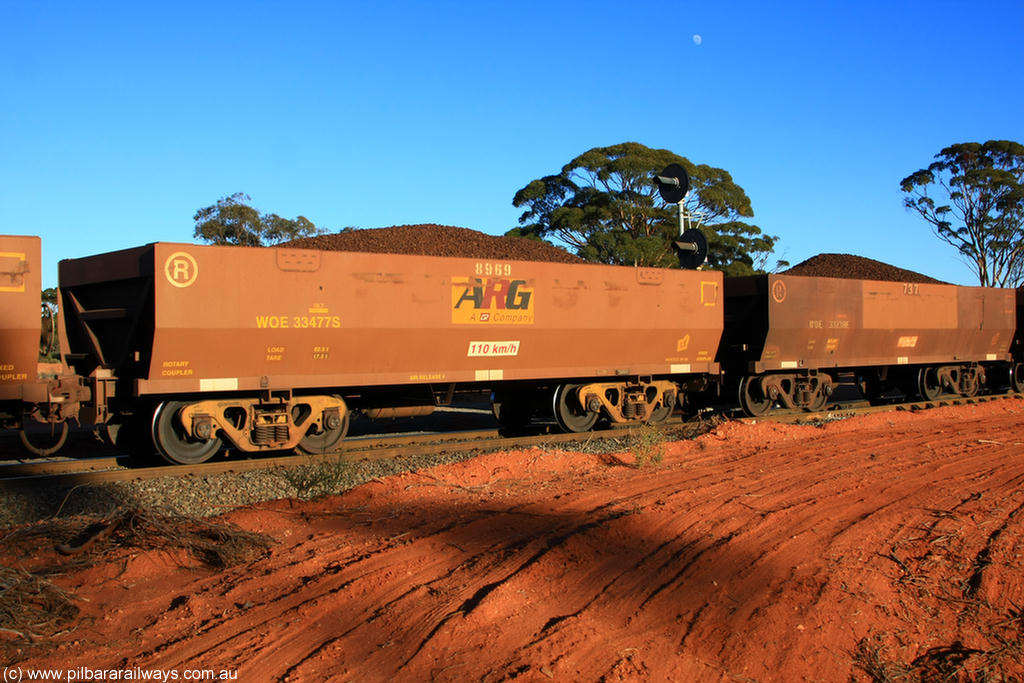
787 338
271 348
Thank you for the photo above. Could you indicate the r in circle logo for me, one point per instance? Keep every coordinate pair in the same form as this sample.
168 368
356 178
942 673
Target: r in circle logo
779 291
181 269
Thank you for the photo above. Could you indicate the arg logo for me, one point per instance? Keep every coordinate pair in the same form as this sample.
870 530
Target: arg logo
491 301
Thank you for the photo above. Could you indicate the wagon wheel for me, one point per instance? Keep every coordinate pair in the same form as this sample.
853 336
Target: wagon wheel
752 398
171 441
569 415
43 438
512 409
928 384
1017 377
325 440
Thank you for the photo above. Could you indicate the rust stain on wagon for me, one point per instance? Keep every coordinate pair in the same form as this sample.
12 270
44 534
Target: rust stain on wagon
13 266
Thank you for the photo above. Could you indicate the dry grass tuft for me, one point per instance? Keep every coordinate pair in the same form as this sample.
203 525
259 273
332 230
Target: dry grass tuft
216 544
871 657
31 607
322 476
648 444
1001 661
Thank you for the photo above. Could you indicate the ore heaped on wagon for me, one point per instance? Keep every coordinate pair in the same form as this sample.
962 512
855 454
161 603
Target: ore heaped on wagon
854 267
429 239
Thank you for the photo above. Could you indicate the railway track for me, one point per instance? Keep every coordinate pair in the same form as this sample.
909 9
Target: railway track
119 468
845 410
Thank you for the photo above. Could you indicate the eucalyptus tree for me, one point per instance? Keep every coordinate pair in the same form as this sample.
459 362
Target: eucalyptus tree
233 221
973 197
605 206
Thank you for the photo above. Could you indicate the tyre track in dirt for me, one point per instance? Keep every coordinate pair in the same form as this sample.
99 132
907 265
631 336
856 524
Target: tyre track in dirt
761 552
286 607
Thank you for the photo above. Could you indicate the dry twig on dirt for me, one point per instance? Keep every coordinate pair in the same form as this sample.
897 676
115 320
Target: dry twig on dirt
214 543
30 606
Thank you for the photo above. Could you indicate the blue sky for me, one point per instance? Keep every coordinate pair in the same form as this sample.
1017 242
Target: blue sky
119 120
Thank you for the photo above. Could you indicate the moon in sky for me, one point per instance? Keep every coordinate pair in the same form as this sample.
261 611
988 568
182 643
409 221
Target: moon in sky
697 40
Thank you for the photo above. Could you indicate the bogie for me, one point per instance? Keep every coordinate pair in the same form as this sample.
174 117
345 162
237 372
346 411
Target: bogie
809 391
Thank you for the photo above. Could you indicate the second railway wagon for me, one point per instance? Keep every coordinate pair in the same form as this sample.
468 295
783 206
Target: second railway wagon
788 337
38 407
19 320
270 348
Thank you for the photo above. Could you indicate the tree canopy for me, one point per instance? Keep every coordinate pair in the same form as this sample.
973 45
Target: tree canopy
232 221
973 197
604 204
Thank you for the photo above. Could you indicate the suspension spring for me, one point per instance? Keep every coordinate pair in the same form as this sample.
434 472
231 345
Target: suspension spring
263 434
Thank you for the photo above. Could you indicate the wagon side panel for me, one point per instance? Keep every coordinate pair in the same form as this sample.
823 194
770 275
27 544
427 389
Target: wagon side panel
231 318
831 322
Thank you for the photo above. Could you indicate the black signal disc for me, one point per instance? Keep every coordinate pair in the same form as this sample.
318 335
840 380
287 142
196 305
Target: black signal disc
673 193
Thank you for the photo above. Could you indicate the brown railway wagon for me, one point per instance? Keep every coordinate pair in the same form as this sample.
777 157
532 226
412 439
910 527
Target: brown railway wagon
39 407
20 283
199 326
787 337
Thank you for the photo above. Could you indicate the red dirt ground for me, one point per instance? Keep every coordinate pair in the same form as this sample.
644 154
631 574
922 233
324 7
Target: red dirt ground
882 545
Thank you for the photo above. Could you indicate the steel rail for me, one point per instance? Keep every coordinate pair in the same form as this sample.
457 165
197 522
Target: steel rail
63 466
359 444
366 449
839 411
